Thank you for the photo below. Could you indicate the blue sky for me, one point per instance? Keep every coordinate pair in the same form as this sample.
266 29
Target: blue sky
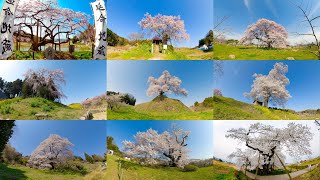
87 136
246 12
200 141
303 75
124 15
84 79
132 77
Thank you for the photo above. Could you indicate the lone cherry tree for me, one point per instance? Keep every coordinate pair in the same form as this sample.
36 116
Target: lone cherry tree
271 87
266 33
44 83
44 22
165 27
166 83
152 146
51 153
266 144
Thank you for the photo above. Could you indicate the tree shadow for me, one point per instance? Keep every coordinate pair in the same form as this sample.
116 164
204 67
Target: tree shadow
11 174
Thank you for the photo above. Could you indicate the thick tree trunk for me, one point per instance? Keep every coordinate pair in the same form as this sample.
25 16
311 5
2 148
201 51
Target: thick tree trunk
266 102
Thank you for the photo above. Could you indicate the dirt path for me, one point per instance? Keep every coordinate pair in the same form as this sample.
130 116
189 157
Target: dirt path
157 55
100 116
283 176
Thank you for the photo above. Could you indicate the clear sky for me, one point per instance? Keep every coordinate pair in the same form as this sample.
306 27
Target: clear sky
132 77
84 79
243 13
124 16
200 141
87 136
223 146
303 75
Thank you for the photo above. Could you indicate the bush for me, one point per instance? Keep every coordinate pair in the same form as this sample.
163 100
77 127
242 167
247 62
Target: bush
7 110
47 108
32 113
11 155
128 99
35 104
190 168
88 158
196 104
71 167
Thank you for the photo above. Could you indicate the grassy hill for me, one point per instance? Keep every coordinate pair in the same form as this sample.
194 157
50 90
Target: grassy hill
167 109
26 109
315 174
226 171
132 170
23 172
230 109
223 51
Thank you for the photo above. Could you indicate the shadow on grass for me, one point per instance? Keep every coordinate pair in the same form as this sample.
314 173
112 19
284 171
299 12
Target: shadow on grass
11 174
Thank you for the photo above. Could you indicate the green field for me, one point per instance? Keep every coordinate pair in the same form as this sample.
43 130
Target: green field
160 110
26 109
230 109
133 170
22 172
143 52
223 51
225 171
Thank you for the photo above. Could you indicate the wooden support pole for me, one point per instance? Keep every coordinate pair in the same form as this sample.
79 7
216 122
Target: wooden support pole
59 37
257 168
283 166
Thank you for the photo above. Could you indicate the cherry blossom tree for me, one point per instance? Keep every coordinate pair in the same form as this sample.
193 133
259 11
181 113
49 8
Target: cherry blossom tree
217 92
53 20
152 146
266 144
114 101
266 33
45 83
51 153
135 36
271 87
165 27
166 83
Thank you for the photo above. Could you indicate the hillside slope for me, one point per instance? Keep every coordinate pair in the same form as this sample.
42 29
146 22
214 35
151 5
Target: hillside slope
26 109
165 105
230 109
133 170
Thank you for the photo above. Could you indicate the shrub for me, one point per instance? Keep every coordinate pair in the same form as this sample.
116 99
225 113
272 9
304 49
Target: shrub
196 104
190 168
47 108
35 104
88 158
7 110
128 99
11 155
71 167
32 113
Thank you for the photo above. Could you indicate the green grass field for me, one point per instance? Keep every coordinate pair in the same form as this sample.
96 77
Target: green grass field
230 109
22 173
226 171
223 51
26 109
135 171
168 109
143 52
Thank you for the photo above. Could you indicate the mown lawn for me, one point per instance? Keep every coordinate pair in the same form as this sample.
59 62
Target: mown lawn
129 113
230 109
223 51
26 109
143 52
135 171
22 172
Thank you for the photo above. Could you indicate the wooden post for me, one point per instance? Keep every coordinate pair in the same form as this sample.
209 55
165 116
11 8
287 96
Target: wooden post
59 37
37 30
40 36
255 177
283 166
92 50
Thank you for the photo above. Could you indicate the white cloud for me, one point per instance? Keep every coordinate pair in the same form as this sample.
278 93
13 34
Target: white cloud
247 4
